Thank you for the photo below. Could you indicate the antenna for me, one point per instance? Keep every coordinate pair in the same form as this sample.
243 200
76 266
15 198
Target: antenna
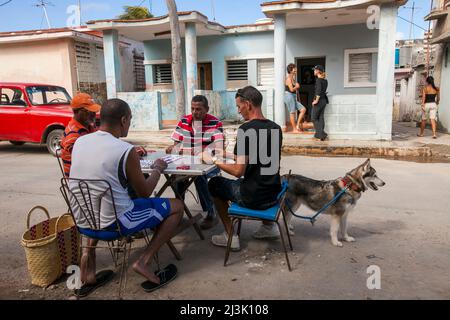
79 12
213 10
43 4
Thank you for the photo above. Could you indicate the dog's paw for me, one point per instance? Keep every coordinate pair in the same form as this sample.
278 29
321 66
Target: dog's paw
349 239
337 244
290 226
291 232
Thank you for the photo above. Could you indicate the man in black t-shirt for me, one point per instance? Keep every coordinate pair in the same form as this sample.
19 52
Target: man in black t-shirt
256 164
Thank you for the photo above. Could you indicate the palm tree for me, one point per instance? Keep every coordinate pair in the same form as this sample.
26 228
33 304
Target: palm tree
135 13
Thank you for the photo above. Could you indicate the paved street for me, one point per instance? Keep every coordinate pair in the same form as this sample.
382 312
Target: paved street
403 229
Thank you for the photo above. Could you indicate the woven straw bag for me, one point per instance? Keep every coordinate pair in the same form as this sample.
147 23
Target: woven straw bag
50 247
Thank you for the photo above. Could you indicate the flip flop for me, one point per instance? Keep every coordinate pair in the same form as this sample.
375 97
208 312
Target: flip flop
420 135
165 276
102 278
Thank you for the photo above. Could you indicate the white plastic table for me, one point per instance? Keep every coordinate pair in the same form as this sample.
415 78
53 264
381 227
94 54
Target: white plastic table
180 168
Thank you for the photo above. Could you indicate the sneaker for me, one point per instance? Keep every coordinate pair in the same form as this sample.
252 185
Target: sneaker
209 222
266 232
221 240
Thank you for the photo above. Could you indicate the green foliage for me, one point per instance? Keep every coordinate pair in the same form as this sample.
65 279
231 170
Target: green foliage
135 13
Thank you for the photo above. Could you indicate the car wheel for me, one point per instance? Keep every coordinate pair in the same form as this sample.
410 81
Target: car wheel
17 143
53 140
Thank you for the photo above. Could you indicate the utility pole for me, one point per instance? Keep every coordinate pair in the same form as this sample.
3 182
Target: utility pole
43 4
411 30
428 42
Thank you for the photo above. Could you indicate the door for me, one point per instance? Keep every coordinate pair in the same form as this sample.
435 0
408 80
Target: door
305 76
204 73
13 115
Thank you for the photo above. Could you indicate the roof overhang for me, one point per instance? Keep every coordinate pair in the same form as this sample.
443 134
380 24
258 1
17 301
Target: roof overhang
81 34
274 7
158 27
322 13
436 14
443 38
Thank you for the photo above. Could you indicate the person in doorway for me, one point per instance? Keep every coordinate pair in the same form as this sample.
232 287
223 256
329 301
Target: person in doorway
319 103
430 102
290 99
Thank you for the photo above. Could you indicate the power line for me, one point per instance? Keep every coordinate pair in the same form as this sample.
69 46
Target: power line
5 3
412 23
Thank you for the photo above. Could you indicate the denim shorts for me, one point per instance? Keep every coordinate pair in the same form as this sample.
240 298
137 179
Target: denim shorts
290 100
226 189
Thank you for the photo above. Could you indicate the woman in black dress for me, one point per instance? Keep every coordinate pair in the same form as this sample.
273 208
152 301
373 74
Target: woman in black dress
319 103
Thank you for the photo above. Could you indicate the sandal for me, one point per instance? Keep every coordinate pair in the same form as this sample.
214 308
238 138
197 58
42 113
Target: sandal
165 276
102 278
420 135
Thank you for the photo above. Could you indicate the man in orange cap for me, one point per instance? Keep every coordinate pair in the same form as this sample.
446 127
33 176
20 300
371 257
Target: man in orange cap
83 122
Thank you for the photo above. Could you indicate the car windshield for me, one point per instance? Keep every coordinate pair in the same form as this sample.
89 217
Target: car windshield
44 95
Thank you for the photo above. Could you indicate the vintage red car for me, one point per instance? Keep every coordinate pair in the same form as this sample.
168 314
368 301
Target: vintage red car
36 113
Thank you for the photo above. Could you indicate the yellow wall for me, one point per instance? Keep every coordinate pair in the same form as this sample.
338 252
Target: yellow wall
46 61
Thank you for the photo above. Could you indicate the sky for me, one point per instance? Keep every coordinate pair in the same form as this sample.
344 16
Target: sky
24 15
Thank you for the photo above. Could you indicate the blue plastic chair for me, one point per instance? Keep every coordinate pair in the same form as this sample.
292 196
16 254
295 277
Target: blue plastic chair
238 213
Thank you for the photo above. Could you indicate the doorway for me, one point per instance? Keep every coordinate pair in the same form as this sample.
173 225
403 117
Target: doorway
204 71
305 76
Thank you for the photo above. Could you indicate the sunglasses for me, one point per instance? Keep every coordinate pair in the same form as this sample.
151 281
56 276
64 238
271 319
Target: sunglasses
241 95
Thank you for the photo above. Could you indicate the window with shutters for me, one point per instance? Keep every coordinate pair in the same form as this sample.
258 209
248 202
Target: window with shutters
162 73
360 67
266 73
237 70
139 72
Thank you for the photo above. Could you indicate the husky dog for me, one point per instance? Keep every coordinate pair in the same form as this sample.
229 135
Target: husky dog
316 194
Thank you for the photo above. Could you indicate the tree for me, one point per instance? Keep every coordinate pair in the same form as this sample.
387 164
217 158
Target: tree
176 59
135 13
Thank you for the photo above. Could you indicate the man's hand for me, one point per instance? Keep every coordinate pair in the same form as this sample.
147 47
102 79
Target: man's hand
141 151
169 149
315 103
159 165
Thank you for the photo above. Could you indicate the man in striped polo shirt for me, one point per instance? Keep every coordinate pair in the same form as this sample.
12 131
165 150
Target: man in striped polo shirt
195 133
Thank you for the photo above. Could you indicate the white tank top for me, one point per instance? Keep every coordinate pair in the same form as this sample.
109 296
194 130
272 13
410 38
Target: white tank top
101 156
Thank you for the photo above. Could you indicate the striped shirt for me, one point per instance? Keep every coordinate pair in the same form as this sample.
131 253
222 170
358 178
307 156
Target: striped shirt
73 131
189 134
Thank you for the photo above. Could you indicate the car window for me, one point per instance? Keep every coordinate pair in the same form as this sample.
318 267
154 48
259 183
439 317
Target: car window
11 97
45 95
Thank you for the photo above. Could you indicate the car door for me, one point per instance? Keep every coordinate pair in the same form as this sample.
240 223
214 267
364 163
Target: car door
13 114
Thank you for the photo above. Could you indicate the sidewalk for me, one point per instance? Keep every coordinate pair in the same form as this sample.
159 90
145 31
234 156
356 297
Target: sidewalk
405 145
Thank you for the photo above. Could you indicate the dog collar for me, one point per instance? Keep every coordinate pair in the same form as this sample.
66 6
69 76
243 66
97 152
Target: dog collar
351 183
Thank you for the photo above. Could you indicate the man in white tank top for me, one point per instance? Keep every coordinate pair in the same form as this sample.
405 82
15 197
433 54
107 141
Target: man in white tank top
103 156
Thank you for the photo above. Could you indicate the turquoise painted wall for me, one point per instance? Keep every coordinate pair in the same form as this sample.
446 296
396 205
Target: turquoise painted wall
329 42
145 107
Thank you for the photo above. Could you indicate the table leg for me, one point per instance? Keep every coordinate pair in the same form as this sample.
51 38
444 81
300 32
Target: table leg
186 209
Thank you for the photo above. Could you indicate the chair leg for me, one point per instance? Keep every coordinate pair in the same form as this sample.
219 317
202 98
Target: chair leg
287 231
230 239
123 271
284 246
174 250
239 227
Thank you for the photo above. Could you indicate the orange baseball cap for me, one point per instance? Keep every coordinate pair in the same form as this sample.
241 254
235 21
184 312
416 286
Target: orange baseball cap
85 101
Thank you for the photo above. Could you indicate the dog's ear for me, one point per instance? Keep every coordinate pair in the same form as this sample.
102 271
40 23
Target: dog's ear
366 164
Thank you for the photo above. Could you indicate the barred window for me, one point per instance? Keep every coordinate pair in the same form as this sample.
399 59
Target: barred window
162 73
237 70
